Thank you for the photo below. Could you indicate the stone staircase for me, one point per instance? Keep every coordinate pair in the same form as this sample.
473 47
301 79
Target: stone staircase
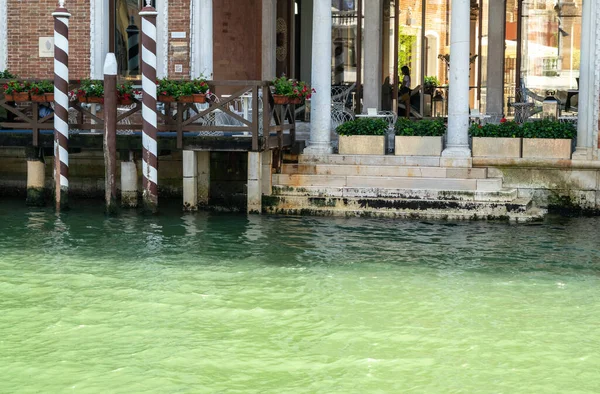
393 186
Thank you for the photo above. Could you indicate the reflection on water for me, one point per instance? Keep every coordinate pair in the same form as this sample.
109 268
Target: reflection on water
229 303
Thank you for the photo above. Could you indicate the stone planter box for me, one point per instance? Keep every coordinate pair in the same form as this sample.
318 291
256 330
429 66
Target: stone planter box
362 145
419 146
496 147
546 148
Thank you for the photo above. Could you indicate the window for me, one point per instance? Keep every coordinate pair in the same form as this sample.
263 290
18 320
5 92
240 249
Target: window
127 35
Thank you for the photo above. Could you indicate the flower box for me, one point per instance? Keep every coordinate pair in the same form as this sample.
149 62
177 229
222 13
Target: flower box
49 97
279 99
296 100
362 145
124 101
418 146
496 147
20 97
38 98
91 100
166 99
546 148
9 97
199 98
186 99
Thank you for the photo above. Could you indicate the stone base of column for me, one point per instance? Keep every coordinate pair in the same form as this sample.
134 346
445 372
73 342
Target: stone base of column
36 174
318 148
267 173
456 156
254 182
190 181
129 184
582 154
203 168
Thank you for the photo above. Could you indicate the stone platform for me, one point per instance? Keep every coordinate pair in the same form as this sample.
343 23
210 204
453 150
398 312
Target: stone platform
393 186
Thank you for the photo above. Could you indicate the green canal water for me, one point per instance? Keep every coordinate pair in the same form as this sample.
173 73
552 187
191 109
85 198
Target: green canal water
214 303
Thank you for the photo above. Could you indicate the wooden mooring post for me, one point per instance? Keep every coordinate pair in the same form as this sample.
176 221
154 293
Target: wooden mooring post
110 132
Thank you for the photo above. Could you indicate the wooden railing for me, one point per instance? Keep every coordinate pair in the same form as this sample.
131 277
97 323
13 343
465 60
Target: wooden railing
265 122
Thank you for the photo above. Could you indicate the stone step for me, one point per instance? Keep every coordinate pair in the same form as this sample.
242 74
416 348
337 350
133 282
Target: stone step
501 196
389 171
300 180
518 210
371 160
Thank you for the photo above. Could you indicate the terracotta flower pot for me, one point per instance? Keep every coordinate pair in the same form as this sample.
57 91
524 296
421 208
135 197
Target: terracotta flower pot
122 101
166 99
21 97
200 98
296 100
91 100
9 97
186 99
49 97
280 99
38 98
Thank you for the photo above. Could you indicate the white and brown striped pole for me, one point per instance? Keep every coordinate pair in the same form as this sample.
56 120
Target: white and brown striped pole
61 104
149 116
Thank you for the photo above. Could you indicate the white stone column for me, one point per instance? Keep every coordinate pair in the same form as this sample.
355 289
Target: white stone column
267 172
373 55
254 182
495 57
190 181
457 152
3 36
320 111
269 39
586 99
203 160
202 38
129 183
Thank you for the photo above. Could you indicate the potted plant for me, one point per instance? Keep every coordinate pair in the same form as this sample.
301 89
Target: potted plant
16 91
90 91
42 92
547 139
300 92
430 84
201 88
168 91
496 140
364 136
419 138
125 93
186 92
284 89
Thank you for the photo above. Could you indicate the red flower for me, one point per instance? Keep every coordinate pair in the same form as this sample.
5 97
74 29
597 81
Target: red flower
503 120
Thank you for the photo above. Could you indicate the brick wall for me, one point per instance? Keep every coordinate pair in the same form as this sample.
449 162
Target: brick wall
179 48
28 20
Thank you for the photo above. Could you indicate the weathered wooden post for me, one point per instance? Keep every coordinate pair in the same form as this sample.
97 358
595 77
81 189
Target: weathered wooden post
149 116
110 132
61 105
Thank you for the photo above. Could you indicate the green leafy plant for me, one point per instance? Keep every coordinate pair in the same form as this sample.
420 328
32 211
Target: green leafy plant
283 86
505 129
6 75
167 87
363 126
422 128
186 88
16 87
43 87
126 92
200 86
430 84
548 129
90 88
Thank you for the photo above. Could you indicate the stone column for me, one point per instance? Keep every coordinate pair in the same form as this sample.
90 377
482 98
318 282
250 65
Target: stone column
320 127
267 172
254 182
190 180
495 57
129 182
457 152
203 170
202 39
373 55
36 176
585 120
269 39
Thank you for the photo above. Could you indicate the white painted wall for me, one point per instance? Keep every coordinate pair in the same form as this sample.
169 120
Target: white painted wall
3 36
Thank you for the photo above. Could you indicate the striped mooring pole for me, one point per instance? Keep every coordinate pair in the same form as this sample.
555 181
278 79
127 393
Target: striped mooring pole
149 115
61 105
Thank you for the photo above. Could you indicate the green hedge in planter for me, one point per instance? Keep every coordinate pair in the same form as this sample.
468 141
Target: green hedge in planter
363 126
421 128
502 130
548 129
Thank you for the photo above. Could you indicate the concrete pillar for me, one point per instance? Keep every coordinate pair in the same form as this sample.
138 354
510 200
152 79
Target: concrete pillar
203 170
269 39
190 180
457 152
586 99
373 55
202 38
495 57
267 172
254 182
320 111
36 176
129 183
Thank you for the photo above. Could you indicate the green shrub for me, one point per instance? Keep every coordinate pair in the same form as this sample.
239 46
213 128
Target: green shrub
502 130
422 128
548 129
6 75
363 126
